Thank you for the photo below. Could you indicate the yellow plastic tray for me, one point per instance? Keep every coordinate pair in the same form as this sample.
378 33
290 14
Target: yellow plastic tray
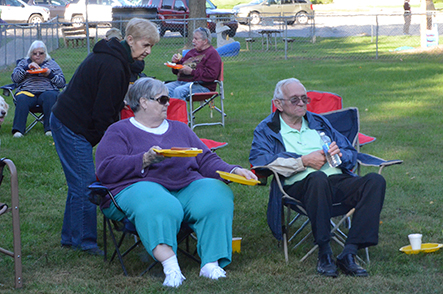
237 179
425 247
178 152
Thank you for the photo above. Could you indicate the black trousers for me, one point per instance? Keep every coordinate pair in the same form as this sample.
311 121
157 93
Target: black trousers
324 197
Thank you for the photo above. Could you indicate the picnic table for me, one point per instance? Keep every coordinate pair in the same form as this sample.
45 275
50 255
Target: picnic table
267 36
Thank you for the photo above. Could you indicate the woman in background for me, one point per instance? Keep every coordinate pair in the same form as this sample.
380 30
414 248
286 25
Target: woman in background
36 88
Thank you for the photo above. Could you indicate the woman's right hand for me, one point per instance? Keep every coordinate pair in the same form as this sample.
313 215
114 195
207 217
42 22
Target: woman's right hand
33 65
152 157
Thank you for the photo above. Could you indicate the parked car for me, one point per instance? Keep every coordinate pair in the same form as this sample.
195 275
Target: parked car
300 11
56 7
173 15
17 11
98 10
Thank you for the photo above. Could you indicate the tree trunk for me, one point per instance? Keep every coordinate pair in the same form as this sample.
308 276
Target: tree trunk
429 6
197 9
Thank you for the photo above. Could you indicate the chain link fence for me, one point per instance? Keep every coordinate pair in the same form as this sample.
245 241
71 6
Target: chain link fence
325 36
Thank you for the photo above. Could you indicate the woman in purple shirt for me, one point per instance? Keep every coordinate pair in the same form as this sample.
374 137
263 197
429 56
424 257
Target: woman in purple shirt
157 193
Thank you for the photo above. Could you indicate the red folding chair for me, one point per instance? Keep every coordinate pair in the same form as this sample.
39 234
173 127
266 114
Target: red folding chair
207 98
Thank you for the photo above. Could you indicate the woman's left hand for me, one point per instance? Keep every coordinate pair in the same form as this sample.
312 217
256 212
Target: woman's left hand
46 73
245 173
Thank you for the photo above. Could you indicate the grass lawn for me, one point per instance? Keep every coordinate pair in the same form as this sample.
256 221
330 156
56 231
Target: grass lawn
400 104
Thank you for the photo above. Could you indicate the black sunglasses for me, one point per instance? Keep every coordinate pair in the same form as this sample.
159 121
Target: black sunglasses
162 99
203 30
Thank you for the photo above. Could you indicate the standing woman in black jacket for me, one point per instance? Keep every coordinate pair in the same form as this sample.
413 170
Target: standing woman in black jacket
91 102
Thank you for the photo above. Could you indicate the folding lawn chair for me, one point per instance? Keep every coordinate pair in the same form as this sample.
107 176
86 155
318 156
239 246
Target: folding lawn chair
127 228
207 98
346 121
14 209
36 112
322 102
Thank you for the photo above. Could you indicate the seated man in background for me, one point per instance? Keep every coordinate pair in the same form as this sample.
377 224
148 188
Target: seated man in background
203 63
36 88
291 135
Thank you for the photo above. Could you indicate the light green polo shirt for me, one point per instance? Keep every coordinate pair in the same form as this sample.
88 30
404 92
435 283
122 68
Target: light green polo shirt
303 142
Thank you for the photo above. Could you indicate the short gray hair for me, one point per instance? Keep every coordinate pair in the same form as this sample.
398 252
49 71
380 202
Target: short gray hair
205 33
278 92
140 28
144 87
37 44
114 33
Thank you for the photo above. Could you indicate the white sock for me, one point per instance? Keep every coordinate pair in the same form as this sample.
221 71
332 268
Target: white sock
213 271
170 264
174 277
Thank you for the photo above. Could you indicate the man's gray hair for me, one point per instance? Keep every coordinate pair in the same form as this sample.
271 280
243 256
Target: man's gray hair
37 44
278 92
144 87
205 33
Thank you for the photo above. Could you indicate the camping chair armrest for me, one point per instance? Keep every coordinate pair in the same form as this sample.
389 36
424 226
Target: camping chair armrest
7 89
371 160
204 83
262 174
99 192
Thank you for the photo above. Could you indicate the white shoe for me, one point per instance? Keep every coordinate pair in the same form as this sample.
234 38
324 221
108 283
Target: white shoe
48 133
17 135
214 272
174 278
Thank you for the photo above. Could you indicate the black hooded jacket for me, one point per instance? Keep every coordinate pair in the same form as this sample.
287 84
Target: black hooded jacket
94 97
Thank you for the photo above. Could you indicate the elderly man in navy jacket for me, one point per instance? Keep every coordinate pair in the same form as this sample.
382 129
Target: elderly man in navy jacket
291 135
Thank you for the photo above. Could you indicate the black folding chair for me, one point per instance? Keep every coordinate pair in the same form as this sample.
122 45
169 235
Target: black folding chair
127 228
36 112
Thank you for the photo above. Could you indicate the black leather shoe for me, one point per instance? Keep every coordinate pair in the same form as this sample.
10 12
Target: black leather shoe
326 266
349 267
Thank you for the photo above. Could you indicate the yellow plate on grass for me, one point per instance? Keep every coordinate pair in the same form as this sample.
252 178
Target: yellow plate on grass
425 247
237 178
179 152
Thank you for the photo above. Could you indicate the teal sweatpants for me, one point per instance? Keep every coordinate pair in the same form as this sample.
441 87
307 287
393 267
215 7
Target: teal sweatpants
207 205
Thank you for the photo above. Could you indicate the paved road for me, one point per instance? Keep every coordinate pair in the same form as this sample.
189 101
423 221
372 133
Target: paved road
345 26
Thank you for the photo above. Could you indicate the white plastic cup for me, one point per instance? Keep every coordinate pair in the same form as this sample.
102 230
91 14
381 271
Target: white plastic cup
415 240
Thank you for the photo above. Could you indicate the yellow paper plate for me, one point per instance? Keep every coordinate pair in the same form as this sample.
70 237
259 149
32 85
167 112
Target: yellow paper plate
179 152
425 247
237 178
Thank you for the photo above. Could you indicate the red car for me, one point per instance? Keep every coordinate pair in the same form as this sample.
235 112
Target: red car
173 15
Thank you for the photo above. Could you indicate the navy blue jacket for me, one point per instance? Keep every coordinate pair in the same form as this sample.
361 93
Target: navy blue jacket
268 145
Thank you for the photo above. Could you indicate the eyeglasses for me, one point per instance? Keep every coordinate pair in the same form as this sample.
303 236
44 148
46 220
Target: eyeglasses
38 53
162 99
296 99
